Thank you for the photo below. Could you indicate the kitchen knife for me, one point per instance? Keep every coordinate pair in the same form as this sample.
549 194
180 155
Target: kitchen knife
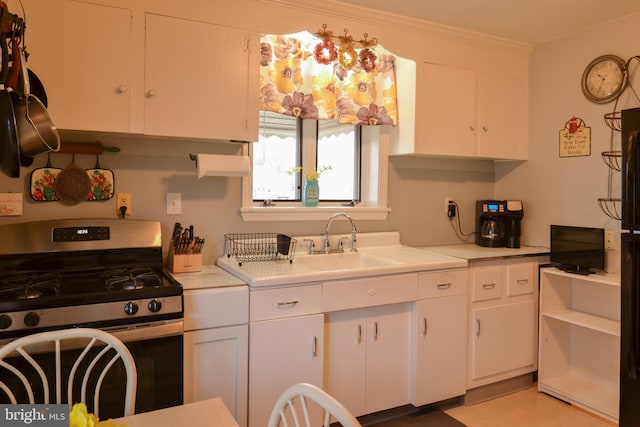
176 231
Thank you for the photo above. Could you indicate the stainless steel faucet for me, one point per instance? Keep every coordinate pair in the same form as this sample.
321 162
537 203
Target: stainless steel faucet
326 231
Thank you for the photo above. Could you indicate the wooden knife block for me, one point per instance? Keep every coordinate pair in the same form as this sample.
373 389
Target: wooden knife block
184 263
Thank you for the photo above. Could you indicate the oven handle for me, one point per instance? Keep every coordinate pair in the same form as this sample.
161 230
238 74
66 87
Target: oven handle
147 331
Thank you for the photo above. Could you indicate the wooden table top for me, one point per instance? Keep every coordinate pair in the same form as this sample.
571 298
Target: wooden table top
210 412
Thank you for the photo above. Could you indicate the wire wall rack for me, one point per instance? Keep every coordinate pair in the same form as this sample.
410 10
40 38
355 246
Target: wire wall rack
612 206
252 247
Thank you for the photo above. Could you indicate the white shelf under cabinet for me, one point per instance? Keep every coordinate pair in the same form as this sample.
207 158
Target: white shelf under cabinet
579 359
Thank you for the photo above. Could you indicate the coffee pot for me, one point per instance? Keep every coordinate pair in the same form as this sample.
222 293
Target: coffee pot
498 223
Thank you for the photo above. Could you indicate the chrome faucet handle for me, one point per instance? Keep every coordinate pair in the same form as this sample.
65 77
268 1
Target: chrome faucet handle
326 244
312 246
340 244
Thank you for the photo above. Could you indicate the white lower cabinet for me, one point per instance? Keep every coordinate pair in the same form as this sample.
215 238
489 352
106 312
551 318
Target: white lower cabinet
503 339
367 357
580 340
286 342
216 347
439 337
503 321
218 367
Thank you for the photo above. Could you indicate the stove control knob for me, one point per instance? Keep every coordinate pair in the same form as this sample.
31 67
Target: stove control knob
131 308
5 321
31 319
155 306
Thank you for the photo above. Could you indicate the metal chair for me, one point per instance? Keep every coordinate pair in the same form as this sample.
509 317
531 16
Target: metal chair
296 398
39 358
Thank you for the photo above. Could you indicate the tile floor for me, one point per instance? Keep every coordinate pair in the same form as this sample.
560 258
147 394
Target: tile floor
526 408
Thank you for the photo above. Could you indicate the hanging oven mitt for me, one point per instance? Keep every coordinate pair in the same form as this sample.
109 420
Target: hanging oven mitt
102 182
43 182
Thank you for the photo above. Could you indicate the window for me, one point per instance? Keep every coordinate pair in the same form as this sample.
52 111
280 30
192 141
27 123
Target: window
286 142
302 99
338 146
276 152
284 202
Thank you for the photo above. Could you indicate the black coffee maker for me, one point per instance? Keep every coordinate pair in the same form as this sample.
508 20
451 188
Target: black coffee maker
498 223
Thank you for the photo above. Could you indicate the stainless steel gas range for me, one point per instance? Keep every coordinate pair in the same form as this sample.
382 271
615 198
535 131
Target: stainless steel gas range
100 273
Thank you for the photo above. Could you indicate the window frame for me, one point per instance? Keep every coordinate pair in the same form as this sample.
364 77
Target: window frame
375 142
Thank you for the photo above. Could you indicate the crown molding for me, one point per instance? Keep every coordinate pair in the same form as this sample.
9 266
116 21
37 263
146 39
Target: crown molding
397 22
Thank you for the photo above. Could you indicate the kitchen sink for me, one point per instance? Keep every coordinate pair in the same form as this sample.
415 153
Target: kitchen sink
378 254
343 261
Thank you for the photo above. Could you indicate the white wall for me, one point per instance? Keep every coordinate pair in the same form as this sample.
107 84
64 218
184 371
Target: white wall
565 190
149 169
554 190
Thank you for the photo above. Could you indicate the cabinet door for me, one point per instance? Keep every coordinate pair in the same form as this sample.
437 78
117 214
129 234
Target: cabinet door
448 123
82 54
345 355
199 80
503 339
502 117
216 365
440 349
388 358
283 352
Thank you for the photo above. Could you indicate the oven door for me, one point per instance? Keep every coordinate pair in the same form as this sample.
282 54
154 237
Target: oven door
157 349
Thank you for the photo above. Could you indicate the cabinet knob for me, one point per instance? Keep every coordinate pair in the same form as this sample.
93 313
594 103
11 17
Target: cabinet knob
485 128
151 93
472 128
122 89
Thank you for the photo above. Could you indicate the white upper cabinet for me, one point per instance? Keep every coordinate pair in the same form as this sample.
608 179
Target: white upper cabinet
114 69
447 126
197 80
463 113
502 117
81 52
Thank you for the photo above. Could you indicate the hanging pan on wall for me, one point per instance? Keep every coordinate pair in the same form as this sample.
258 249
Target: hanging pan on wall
36 131
9 151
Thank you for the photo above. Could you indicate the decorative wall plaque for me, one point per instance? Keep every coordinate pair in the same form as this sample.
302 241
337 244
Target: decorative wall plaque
575 139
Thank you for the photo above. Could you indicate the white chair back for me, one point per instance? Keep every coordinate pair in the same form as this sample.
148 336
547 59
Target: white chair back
99 351
292 407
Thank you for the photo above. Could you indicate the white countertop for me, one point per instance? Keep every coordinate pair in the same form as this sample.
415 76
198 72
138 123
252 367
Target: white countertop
473 252
211 276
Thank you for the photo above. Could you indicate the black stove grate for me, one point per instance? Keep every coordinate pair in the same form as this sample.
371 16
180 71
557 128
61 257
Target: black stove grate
30 286
131 279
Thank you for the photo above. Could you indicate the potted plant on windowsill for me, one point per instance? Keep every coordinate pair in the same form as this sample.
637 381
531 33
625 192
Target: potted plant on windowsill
310 188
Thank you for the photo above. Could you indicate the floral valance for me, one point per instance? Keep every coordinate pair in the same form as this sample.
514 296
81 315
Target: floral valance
306 76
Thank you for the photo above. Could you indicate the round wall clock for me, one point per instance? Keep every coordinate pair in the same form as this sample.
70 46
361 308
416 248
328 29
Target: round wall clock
604 79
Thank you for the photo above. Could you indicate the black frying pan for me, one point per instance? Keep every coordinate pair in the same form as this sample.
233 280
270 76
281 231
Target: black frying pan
10 153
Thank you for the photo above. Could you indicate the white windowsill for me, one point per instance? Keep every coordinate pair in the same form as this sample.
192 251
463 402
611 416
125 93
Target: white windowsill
319 213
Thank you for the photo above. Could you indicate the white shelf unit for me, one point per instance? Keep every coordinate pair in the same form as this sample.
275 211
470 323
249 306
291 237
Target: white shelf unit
579 359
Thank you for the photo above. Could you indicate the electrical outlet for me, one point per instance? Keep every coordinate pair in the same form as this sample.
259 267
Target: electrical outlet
447 200
609 239
123 199
174 203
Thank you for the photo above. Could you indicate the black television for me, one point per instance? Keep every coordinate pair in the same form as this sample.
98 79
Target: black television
577 250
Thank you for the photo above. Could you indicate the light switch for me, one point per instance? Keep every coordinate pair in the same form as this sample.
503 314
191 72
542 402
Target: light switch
174 203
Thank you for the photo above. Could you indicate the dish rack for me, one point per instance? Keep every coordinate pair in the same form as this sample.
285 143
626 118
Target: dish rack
251 247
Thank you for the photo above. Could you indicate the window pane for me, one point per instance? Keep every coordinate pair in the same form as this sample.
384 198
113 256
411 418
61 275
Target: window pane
338 148
275 153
